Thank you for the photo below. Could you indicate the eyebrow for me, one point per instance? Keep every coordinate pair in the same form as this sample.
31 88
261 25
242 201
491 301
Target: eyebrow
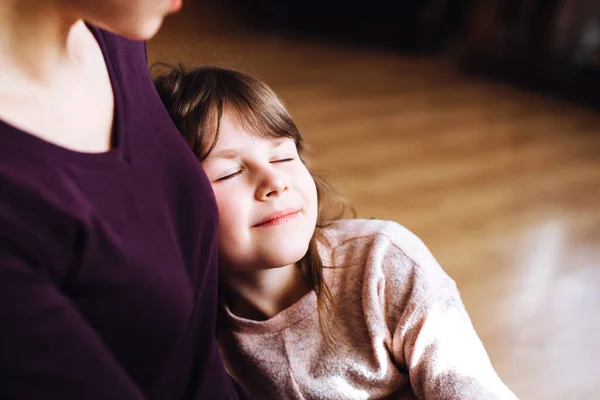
228 154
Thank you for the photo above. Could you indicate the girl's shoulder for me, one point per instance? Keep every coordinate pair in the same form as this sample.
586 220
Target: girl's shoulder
383 248
370 233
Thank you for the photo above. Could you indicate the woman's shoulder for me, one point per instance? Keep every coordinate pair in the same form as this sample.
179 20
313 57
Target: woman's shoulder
116 41
126 56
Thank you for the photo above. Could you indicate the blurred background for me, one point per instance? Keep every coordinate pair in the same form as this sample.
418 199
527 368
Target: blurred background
474 124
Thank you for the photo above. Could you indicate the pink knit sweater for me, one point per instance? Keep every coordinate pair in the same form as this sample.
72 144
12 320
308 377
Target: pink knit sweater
406 332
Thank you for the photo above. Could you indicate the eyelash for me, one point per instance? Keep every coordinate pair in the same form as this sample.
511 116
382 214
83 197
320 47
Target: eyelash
284 160
231 176
228 177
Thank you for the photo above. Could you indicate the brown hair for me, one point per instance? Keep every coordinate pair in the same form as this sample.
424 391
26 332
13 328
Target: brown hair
196 100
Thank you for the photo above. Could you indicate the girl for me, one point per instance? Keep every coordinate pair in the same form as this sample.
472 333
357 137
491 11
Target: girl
107 291
316 307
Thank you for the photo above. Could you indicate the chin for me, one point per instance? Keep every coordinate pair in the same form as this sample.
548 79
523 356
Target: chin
263 260
136 31
290 256
147 32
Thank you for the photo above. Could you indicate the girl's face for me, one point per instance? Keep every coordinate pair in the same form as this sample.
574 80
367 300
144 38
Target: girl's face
136 19
267 199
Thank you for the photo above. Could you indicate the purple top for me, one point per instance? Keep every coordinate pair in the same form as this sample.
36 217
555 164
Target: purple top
108 262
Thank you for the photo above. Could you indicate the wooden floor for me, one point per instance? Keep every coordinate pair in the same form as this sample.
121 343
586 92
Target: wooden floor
502 185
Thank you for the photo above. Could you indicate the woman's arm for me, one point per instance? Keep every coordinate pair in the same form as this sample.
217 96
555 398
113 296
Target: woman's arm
47 349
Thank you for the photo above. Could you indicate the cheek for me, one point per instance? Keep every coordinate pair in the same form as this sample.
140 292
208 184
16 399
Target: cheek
233 215
309 191
227 213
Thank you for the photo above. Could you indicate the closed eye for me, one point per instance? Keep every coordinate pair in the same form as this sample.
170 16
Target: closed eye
284 160
230 176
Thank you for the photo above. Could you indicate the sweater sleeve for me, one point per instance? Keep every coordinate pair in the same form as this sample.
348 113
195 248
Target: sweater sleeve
432 336
47 349
444 356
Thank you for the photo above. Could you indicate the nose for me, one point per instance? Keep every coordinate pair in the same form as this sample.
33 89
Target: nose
272 184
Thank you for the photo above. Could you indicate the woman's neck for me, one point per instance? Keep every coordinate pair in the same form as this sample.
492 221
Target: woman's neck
37 44
260 295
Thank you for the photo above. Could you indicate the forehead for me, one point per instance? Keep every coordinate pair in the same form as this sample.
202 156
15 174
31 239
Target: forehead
233 134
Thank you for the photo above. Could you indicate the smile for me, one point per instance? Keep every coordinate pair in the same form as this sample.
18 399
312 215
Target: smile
277 218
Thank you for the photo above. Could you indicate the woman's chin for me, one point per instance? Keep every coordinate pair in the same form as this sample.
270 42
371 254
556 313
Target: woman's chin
134 30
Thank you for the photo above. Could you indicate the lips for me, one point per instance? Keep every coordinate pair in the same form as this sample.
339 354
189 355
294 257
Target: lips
278 217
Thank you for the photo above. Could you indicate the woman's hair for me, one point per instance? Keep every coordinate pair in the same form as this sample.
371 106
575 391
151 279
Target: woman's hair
197 99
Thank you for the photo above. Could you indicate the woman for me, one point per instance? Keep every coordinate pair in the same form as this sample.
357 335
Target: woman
108 280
